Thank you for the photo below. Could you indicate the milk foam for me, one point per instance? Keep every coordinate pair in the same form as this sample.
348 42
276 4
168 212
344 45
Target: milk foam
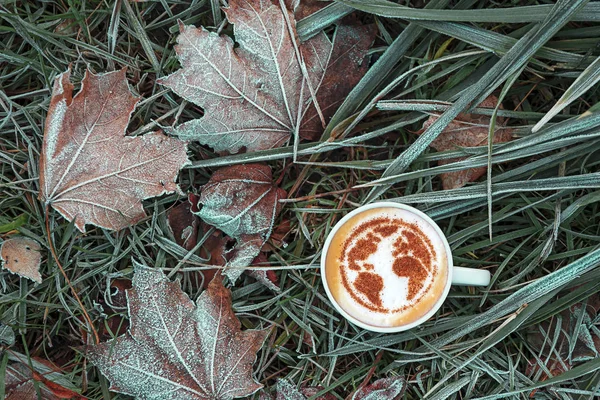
395 307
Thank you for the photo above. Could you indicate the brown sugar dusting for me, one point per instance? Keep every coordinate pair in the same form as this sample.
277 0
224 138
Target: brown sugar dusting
414 258
416 272
370 285
362 250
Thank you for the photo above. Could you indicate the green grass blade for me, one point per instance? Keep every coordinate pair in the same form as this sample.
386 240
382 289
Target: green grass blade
582 84
510 15
316 22
379 71
511 62
527 294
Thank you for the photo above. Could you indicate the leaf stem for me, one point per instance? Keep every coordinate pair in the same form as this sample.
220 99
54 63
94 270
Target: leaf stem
53 252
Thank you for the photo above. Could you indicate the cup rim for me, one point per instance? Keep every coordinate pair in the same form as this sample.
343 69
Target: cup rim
390 329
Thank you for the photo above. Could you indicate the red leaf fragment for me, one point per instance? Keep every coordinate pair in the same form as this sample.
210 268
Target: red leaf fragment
179 350
286 390
243 202
90 171
22 256
116 324
383 389
467 130
255 96
184 225
19 385
578 340
264 276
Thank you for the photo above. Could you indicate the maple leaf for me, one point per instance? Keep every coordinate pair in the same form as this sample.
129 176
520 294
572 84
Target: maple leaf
243 202
467 131
256 95
179 350
90 171
22 256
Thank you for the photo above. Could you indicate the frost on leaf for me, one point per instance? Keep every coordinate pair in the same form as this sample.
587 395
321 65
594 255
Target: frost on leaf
256 95
90 171
468 130
184 225
179 350
382 389
22 256
286 390
243 202
21 380
576 338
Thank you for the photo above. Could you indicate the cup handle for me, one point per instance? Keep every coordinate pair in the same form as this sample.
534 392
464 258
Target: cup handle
470 276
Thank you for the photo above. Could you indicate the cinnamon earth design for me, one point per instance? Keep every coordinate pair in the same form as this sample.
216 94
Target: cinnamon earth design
387 248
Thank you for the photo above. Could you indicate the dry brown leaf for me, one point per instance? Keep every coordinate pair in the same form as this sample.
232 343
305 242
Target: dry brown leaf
467 130
243 202
569 349
184 225
22 256
383 389
255 96
19 381
216 246
179 350
90 171
560 343
265 276
278 235
213 249
286 390
115 324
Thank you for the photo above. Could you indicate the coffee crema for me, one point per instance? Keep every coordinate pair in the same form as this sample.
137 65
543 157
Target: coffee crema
386 267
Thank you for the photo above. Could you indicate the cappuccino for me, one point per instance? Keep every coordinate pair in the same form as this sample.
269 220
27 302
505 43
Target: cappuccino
387 267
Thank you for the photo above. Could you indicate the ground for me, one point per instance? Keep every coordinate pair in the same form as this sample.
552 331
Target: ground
533 332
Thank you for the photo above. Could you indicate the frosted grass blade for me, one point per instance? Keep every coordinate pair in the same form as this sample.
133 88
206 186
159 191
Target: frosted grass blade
511 62
512 15
582 84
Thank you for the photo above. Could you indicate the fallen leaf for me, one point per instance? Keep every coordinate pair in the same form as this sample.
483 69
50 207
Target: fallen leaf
285 390
258 94
265 276
560 344
278 235
57 390
216 246
243 202
19 385
184 225
179 350
19 381
22 256
304 8
383 389
213 249
467 130
115 323
570 349
92 173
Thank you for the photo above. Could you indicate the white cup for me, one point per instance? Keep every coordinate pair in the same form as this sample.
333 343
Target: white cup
455 275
